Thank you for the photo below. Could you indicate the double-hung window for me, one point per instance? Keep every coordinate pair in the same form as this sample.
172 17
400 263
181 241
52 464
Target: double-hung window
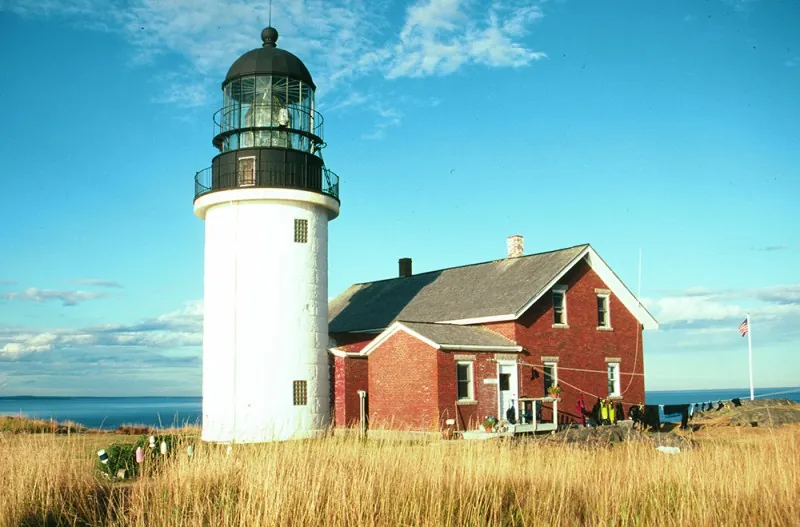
603 312
464 380
560 306
613 379
550 376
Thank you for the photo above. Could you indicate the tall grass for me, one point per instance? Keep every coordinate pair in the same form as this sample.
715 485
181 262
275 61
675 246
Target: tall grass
749 477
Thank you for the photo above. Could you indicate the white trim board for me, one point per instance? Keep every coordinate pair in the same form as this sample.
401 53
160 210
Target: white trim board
399 326
599 266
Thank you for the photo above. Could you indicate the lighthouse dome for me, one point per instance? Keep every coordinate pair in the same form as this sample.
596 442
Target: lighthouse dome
270 60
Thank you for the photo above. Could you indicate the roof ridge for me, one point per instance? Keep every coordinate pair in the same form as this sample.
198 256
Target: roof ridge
472 265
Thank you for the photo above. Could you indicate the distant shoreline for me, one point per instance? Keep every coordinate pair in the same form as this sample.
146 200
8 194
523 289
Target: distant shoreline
744 391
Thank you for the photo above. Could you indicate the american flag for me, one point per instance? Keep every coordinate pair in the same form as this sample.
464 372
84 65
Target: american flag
744 328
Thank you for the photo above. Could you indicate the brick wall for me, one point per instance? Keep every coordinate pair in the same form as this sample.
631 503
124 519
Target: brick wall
350 375
581 345
467 415
347 376
403 385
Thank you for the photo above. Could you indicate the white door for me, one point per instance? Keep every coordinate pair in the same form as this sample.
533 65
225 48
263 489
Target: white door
506 389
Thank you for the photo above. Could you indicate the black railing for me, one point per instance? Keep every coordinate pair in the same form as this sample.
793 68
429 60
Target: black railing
266 118
279 176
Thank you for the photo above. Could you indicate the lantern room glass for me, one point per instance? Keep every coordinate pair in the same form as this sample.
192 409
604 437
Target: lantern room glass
269 111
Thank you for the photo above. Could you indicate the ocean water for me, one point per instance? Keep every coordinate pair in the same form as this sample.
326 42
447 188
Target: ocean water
109 413
704 396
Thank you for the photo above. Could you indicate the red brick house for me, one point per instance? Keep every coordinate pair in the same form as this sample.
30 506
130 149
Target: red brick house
473 341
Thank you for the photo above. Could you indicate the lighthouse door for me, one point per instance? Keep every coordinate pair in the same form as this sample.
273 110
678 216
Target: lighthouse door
506 388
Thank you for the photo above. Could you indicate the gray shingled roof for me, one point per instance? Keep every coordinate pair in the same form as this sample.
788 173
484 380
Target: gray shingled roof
495 288
451 335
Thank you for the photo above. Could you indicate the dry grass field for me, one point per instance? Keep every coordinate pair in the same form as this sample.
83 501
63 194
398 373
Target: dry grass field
737 476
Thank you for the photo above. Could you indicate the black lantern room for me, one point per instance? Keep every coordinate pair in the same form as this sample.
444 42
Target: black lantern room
268 131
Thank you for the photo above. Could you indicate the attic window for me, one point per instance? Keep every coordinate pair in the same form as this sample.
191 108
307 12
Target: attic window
559 306
301 231
603 314
299 393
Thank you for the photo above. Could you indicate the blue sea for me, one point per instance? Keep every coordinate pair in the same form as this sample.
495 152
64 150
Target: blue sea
109 413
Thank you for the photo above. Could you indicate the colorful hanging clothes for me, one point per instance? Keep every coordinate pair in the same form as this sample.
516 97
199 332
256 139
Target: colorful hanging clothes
620 412
581 407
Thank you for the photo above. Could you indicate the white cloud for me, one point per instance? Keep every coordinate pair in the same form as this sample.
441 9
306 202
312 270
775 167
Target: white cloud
340 40
440 36
67 298
704 310
176 329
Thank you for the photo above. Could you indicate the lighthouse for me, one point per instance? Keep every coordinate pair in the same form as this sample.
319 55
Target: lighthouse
266 202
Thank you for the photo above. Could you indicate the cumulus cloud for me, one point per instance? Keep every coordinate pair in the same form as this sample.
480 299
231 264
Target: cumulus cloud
177 329
706 310
340 40
66 297
440 36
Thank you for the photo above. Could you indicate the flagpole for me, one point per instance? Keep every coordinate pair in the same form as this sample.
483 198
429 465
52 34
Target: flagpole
750 354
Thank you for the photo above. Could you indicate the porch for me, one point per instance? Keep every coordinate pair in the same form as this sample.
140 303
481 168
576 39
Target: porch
528 410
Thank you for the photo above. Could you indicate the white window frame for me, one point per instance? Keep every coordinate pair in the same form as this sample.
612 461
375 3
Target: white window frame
545 365
561 289
617 384
239 179
471 377
607 298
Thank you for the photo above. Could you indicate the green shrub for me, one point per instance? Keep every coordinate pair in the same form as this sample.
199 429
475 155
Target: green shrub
123 456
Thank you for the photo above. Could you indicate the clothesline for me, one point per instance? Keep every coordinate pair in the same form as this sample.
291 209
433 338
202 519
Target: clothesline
581 390
561 381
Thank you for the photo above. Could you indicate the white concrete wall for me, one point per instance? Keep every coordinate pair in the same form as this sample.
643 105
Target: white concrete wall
266 321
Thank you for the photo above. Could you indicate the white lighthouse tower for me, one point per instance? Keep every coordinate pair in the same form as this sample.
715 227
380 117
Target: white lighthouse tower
266 201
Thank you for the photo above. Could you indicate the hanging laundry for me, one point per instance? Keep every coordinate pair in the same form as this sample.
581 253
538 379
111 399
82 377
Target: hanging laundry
736 402
604 412
682 409
620 412
720 406
581 407
636 413
612 413
651 417
596 412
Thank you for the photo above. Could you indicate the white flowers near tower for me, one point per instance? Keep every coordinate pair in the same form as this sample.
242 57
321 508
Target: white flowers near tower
266 202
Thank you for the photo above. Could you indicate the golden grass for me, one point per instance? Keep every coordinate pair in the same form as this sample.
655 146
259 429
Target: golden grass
740 477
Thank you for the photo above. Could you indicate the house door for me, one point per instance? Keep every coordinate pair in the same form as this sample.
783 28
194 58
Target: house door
506 388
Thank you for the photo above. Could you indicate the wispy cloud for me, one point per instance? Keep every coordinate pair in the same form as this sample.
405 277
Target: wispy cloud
386 118
440 36
66 297
98 282
705 310
792 62
177 329
342 41
772 248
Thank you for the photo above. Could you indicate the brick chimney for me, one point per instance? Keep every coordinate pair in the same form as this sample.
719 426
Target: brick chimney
405 267
515 246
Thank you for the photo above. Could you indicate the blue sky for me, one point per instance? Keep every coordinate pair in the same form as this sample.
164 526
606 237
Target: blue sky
669 127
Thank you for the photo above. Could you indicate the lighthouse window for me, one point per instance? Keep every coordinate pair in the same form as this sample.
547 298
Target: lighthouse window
299 393
246 172
301 231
